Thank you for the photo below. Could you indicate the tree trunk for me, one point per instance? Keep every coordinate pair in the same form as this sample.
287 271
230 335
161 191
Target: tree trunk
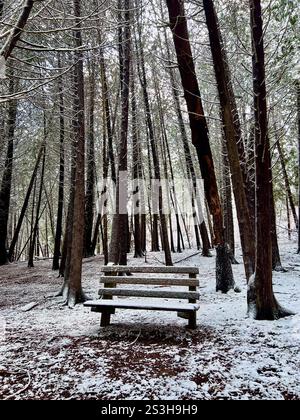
5 192
189 161
287 183
227 203
25 205
156 165
261 299
298 115
59 220
122 184
35 229
17 30
73 271
200 138
91 171
233 135
137 171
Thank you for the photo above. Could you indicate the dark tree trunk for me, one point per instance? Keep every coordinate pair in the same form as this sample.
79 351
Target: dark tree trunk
227 204
59 220
200 138
298 117
276 259
5 192
261 299
189 162
156 165
123 226
17 30
91 172
233 136
137 171
14 241
35 230
73 272
287 183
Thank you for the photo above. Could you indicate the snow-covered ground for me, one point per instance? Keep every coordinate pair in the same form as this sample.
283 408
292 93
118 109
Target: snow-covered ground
52 352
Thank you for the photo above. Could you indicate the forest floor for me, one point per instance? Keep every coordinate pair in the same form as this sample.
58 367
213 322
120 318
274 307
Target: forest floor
52 352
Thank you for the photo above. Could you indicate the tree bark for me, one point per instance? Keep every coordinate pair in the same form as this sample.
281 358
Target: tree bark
298 123
91 171
5 192
200 138
35 227
25 205
73 271
123 226
233 135
261 300
287 182
59 219
156 165
17 30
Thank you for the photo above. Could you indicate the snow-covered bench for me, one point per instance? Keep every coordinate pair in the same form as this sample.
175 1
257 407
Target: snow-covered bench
116 276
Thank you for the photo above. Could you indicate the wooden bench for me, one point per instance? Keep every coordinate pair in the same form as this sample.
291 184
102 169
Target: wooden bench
116 276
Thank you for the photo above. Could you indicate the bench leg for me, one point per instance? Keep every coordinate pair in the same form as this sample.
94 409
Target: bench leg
105 319
193 321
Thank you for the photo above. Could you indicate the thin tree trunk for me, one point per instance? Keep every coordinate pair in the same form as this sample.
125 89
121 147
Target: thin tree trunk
298 123
227 204
59 219
91 171
35 230
288 219
287 183
200 138
137 171
25 205
153 144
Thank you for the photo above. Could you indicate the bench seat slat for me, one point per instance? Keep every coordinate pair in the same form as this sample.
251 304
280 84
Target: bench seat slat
150 293
150 281
150 270
121 304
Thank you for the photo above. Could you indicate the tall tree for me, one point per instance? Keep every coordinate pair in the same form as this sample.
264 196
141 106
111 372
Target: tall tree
120 239
154 151
233 134
298 123
73 272
35 224
5 192
262 302
60 207
200 138
91 169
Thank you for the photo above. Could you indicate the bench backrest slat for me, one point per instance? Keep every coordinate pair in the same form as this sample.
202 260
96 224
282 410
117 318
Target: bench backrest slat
149 270
150 281
150 294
